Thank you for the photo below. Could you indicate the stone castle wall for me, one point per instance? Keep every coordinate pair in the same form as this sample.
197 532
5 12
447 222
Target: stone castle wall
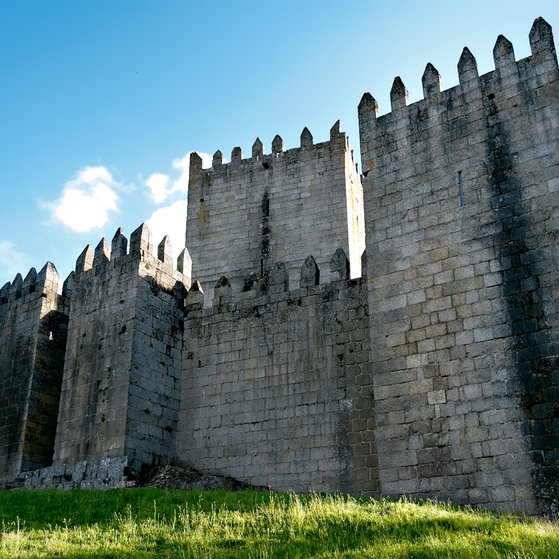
462 189
277 386
426 366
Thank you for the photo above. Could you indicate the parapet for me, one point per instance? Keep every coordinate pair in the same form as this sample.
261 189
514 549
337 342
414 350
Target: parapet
507 71
258 153
140 252
275 286
44 283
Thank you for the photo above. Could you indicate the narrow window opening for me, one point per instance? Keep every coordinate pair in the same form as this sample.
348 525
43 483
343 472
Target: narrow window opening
461 188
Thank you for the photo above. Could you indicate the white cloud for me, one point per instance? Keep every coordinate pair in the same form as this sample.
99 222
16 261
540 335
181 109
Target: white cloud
161 186
171 221
12 262
87 200
158 184
91 174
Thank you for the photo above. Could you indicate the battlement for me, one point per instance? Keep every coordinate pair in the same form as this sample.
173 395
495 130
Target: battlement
139 252
276 285
438 104
124 344
265 162
32 341
460 189
45 282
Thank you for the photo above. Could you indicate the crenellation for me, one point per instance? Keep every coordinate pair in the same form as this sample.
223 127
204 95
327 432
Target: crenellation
533 68
141 246
122 343
459 289
234 351
431 81
29 282
222 293
68 286
306 138
184 266
165 251
46 281
503 53
541 40
398 94
236 156
140 257
257 150
32 338
101 254
217 159
249 199
310 273
278 279
16 287
506 67
277 145
119 245
467 67
195 296
84 261
368 107
195 165
336 133
5 292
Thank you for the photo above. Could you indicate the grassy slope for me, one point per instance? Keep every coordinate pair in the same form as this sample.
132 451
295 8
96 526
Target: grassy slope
142 523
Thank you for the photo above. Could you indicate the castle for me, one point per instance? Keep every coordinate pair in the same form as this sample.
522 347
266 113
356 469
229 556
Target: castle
385 333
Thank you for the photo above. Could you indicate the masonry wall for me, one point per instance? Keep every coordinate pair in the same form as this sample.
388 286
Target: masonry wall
277 385
247 214
154 392
122 365
463 288
32 341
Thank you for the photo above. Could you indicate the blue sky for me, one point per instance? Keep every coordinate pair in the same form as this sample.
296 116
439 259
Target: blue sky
101 101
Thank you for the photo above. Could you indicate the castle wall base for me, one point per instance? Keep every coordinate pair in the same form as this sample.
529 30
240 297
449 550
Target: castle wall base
107 473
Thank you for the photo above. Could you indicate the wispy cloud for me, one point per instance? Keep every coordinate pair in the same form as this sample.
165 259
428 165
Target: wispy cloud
12 261
162 186
87 200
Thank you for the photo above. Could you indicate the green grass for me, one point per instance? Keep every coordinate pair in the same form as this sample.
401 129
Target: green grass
150 523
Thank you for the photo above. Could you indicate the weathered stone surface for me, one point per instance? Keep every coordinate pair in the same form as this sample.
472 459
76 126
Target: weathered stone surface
277 390
463 283
32 342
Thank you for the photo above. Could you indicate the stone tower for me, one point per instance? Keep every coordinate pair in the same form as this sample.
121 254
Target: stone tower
463 190
33 323
122 369
245 215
